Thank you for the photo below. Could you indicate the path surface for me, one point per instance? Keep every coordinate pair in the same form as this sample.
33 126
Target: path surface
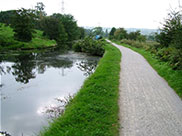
148 106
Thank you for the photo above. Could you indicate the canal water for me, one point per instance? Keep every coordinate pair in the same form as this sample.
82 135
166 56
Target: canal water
32 82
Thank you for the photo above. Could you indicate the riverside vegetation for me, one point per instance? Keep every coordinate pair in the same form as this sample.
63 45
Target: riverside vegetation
7 40
32 28
94 109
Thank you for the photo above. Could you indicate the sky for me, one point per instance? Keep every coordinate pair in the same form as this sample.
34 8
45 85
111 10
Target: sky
105 13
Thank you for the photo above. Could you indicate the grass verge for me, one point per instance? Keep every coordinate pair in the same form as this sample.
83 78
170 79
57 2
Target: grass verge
173 77
94 110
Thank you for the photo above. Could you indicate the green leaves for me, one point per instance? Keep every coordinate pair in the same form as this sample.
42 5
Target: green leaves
23 25
90 46
54 29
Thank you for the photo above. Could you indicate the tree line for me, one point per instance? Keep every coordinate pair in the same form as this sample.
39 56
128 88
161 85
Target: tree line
121 33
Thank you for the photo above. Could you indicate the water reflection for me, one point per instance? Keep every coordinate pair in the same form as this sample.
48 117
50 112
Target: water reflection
32 80
23 67
55 110
88 67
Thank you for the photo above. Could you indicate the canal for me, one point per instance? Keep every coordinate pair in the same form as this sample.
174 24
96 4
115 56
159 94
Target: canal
32 83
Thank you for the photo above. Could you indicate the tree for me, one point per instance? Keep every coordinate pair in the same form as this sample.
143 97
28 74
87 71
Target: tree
120 34
40 15
106 33
134 35
40 9
171 32
23 24
81 33
111 34
6 16
70 26
54 29
97 31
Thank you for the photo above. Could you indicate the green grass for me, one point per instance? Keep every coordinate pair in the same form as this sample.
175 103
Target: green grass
173 77
7 40
94 110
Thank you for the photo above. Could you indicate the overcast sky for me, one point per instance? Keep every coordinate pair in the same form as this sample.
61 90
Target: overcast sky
106 13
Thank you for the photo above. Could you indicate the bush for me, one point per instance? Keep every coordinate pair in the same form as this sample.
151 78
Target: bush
78 46
90 46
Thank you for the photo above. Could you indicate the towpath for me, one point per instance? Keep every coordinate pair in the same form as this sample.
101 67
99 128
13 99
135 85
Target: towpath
148 106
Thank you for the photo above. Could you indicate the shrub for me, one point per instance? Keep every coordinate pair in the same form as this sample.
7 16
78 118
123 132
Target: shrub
90 46
78 46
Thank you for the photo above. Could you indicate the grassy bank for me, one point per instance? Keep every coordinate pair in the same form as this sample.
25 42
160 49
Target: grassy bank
94 110
7 40
173 77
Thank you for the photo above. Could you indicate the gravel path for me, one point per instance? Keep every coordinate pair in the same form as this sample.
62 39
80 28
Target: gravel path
148 106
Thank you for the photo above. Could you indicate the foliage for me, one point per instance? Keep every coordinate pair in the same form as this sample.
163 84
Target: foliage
97 31
6 36
7 40
171 32
136 36
54 29
70 26
40 15
62 28
106 34
111 34
82 32
6 16
94 110
23 25
39 10
90 46
120 33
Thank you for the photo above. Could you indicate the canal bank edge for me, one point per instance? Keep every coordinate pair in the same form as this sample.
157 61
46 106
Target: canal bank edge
94 109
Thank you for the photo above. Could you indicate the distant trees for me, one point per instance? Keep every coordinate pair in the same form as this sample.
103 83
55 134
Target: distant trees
97 31
23 25
111 34
121 33
136 36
